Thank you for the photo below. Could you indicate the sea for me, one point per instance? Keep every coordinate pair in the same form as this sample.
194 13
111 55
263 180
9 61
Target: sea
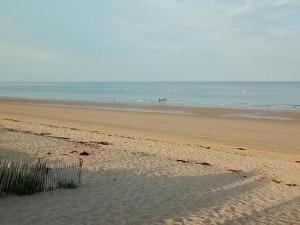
257 95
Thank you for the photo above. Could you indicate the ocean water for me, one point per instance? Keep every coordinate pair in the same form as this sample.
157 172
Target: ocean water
264 95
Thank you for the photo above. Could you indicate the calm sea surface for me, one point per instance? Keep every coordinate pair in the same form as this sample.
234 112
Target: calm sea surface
265 95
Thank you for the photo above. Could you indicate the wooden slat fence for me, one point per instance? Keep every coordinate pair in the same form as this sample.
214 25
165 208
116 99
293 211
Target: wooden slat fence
30 177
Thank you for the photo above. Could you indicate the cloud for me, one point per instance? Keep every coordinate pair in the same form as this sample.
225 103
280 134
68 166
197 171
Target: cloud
186 39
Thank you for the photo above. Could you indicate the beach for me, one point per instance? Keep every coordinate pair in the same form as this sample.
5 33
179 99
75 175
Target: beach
155 164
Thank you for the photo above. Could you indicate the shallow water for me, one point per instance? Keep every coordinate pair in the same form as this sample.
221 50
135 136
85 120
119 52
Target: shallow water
262 95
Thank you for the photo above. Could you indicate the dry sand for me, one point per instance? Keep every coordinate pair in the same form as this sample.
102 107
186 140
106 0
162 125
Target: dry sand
179 166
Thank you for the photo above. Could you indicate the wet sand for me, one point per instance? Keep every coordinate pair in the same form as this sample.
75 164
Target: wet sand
234 127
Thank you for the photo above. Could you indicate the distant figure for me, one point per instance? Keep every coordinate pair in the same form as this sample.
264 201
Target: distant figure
162 100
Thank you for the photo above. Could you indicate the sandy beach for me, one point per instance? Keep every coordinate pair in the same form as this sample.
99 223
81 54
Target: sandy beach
160 164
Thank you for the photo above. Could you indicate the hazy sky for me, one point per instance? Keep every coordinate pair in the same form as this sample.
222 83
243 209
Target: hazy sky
146 40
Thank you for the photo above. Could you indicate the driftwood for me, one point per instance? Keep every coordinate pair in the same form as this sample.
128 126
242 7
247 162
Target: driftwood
30 177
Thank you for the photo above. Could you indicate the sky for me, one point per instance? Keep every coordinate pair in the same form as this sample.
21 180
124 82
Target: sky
150 40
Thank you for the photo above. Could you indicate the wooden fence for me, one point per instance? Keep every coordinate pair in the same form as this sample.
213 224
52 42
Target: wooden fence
25 178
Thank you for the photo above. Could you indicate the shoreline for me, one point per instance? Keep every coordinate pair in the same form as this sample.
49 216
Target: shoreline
164 108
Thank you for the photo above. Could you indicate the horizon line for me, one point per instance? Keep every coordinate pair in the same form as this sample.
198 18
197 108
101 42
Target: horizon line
154 81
